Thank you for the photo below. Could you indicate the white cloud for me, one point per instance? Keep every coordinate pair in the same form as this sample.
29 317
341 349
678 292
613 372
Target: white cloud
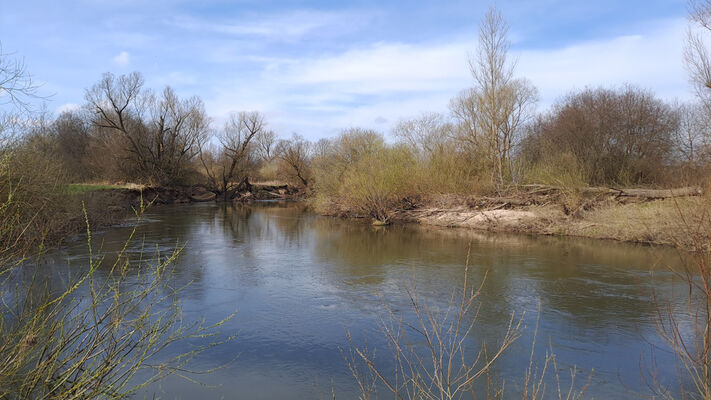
318 96
651 59
122 59
386 67
287 26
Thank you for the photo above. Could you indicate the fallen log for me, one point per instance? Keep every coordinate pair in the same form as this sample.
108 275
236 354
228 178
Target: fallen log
535 190
644 193
661 193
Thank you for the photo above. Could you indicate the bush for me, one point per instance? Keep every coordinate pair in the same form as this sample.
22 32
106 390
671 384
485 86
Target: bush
621 136
379 183
562 170
357 173
93 337
32 197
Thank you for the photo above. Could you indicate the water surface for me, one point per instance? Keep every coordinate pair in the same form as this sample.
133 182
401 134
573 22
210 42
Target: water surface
300 281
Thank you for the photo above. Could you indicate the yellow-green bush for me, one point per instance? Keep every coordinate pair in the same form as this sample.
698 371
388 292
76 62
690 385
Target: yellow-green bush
453 172
359 174
561 169
379 183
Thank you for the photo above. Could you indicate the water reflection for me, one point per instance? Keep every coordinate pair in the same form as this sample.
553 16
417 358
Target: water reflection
299 281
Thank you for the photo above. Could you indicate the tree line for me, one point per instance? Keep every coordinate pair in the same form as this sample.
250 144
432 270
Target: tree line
491 141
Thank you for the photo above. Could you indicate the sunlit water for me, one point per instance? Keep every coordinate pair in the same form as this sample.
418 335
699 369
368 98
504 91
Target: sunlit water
299 282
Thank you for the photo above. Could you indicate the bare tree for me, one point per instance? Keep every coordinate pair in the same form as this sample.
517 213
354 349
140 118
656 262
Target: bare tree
425 134
334 158
503 104
162 134
464 109
692 140
16 84
226 168
616 136
294 160
71 132
696 54
266 141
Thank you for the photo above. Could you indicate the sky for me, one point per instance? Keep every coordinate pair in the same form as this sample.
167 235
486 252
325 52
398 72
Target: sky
317 67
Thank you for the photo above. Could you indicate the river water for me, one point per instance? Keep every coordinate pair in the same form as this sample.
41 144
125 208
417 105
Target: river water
299 282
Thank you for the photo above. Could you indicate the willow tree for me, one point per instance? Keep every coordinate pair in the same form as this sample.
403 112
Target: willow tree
294 156
159 135
227 165
498 104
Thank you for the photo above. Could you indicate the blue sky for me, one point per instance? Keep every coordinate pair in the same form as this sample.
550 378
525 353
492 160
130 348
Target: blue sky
316 67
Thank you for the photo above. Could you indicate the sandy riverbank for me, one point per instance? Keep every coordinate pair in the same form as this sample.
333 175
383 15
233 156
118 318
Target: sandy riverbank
667 221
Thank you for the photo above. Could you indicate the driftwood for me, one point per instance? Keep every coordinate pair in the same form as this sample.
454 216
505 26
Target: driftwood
494 203
539 190
646 193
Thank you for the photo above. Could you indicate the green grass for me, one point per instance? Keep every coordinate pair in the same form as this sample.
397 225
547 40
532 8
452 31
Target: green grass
79 188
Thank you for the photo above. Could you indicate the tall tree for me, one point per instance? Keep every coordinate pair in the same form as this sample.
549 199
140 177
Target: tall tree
226 167
294 157
161 134
501 104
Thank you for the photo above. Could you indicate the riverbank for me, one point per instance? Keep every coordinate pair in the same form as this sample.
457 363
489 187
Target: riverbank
660 217
662 221
639 216
107 205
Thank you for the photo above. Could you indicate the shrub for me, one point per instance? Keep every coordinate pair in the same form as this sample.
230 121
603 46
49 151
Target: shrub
379 183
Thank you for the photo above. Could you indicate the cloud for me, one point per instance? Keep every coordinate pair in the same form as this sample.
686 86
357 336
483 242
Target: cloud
396 80
122 59
651 59
386 67
376 84
284 27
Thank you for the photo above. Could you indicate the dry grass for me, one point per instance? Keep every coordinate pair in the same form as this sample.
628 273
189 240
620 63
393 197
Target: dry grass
656 222
653 222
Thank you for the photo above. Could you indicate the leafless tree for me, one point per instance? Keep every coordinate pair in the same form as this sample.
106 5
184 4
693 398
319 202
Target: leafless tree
334 158
294 160
321 148
692 140
266 141
464 110
162 134
696 54
16 84
500 104
226 167
425 134
618 136
71 131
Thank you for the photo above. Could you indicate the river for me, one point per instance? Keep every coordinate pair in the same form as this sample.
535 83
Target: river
300 281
